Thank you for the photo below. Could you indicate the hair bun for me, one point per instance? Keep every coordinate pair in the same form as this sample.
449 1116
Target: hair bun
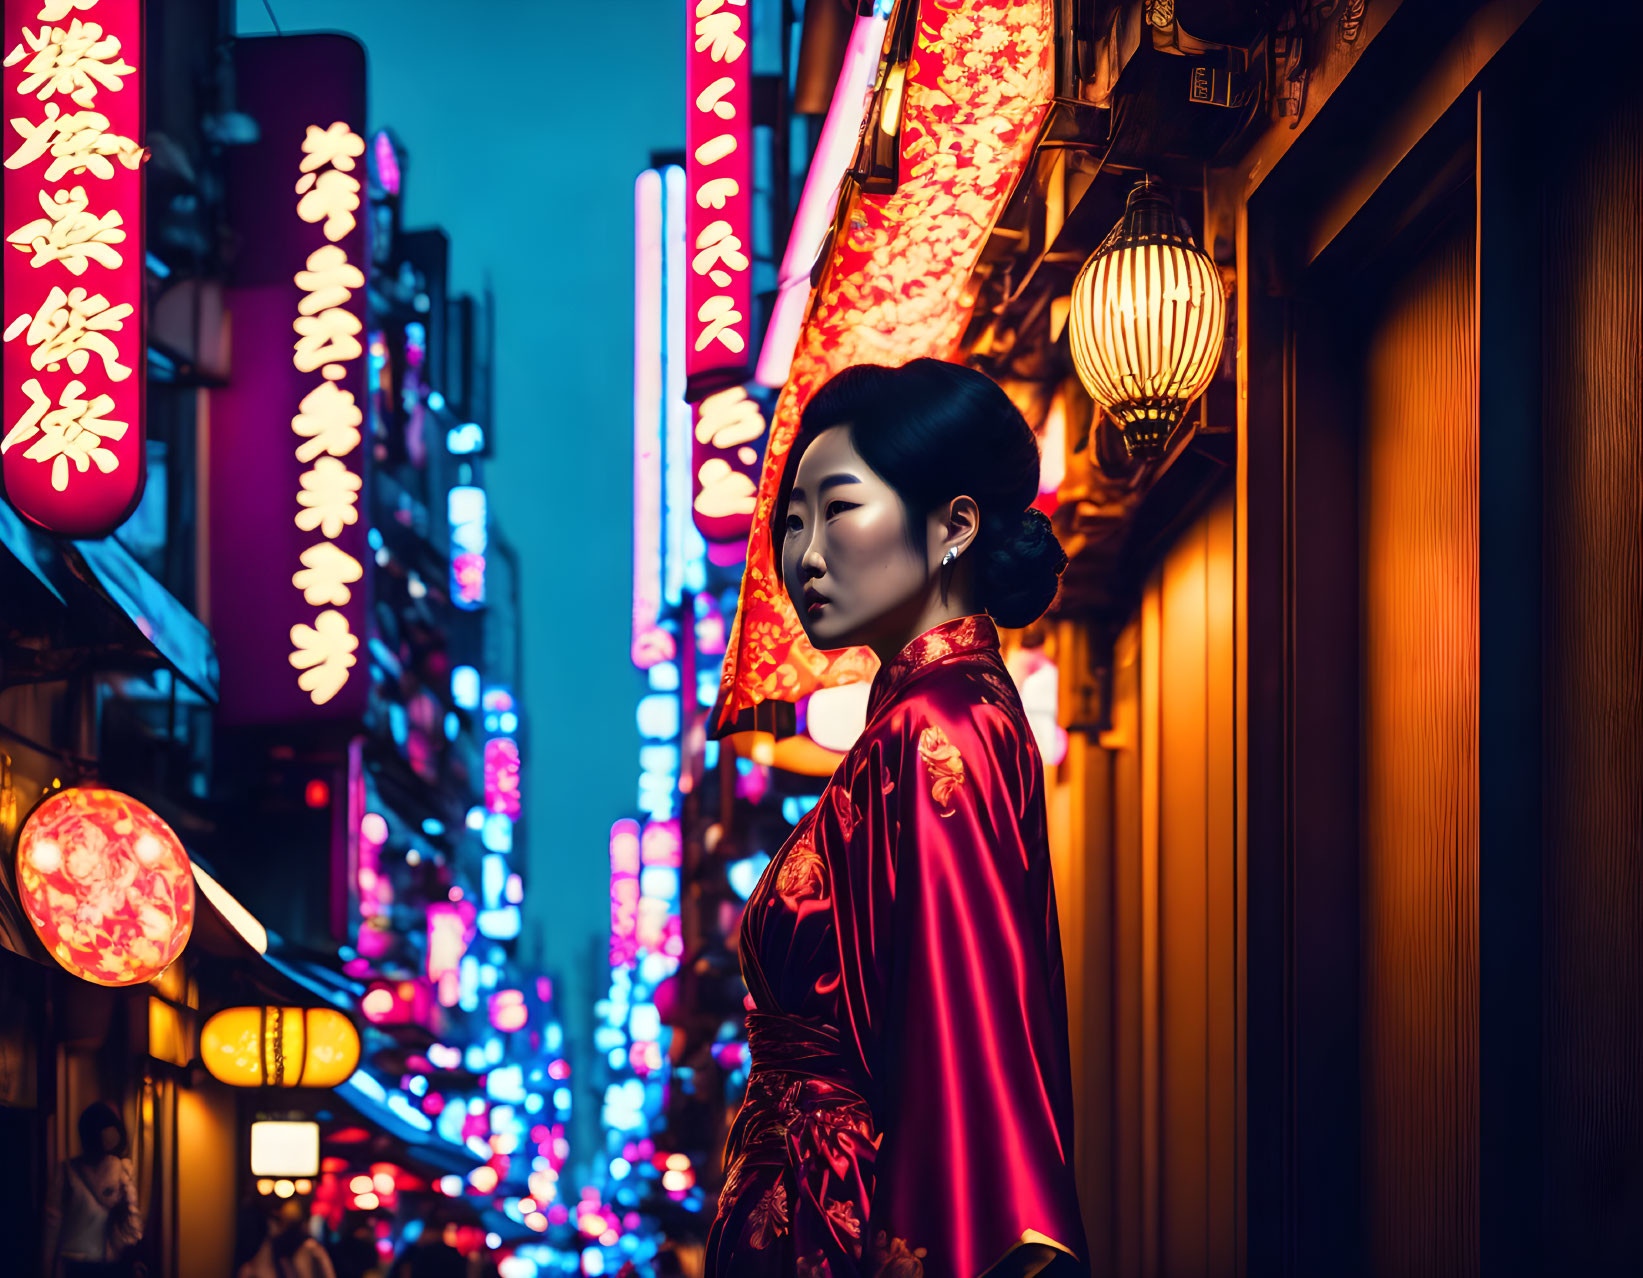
1021 570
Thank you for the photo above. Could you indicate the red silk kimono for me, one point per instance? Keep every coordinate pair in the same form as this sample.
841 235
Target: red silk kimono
909 1108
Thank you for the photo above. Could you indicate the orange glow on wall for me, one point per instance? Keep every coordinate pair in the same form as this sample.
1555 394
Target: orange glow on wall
106 884
168 1038
280 1047
976 88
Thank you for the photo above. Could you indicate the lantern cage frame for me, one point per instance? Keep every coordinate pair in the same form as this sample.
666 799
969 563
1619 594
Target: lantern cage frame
1147 421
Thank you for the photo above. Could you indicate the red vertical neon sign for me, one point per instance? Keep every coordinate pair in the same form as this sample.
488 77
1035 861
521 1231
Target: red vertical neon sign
71 452
719 185
650 643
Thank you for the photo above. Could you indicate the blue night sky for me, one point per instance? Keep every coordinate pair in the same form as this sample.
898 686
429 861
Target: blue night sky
525 122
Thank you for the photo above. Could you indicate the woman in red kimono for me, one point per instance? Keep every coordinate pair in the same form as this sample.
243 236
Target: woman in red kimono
909 1108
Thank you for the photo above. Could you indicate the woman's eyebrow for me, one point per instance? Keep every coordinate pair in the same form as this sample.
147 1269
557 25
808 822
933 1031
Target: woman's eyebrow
832 481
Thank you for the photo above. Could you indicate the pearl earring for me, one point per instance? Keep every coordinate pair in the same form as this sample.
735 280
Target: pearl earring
948 558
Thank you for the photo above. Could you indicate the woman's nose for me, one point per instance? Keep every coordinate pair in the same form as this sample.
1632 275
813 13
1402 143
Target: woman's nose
811 563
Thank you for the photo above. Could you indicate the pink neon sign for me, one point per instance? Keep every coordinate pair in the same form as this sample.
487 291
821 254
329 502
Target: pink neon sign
502 776
719 180
624 893
387 163
650 643
71 443
508 1010
819 203
725 455
660 845
450 931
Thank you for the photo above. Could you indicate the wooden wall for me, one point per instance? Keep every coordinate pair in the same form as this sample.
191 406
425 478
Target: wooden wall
1402 792
1149 925
208 1164
1444 486
1592 420
1418 857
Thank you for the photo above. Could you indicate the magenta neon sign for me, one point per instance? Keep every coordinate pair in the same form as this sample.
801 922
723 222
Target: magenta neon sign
502 776
624 893
719 184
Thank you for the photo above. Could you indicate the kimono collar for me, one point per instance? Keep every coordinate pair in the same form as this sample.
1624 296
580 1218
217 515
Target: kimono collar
949 639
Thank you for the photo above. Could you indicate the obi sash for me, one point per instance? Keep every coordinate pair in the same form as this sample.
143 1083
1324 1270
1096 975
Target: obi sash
785 1044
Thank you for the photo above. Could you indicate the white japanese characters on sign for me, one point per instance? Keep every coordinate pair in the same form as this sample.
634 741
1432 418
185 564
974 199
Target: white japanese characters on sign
719 178
71 452
328 420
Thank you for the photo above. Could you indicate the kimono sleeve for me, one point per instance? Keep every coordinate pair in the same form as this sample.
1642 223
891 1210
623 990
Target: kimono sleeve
973 1174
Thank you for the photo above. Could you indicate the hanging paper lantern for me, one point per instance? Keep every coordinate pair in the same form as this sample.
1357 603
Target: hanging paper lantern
106 884
1146 323
280 1046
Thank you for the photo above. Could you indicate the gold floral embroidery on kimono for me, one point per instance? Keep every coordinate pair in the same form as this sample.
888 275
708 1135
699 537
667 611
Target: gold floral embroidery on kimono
945 768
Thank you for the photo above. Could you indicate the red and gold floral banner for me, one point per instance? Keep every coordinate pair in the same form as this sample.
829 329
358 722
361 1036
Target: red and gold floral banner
719 178
978 84
71 447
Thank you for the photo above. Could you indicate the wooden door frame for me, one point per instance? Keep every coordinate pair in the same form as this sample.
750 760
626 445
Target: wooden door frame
1436 83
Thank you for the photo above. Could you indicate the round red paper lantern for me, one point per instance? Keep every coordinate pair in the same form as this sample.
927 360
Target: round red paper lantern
106 884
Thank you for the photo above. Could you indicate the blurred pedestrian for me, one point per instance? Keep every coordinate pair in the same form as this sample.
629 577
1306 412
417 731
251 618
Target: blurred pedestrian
430 1256
254 1243
92 1222
355 1253
296 1251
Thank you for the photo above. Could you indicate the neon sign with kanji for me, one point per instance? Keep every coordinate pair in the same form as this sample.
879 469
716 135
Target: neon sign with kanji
287 483
327 420
71 442
719 193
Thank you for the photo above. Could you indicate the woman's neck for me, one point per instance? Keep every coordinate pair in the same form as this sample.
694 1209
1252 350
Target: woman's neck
934 613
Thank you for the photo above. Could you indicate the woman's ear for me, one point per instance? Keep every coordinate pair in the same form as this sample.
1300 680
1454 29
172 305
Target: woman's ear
960 525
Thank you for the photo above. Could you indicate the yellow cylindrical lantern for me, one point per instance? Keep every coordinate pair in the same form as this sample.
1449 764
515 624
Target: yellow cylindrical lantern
1148 316
280 1046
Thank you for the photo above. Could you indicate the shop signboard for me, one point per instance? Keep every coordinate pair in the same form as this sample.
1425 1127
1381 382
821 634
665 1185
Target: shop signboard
71 442
288 452
719 193
650 642
727 449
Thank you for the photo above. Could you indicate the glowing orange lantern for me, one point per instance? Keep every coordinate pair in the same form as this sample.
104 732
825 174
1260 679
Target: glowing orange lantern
1147 320
106 884
280 1047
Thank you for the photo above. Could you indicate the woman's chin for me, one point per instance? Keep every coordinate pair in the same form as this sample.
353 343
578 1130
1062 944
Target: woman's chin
825 638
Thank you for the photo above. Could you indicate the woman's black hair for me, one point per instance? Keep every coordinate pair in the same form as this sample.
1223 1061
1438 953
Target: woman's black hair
95 1119
934 431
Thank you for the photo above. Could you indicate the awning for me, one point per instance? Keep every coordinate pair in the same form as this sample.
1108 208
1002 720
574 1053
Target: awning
169 631
223 927
377 1103
79 605
28 550
392 1112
